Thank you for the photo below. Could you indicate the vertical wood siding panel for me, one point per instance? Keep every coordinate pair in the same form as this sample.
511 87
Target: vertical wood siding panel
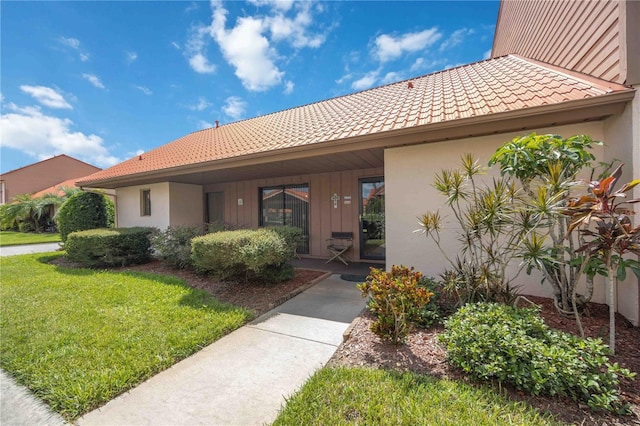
580 35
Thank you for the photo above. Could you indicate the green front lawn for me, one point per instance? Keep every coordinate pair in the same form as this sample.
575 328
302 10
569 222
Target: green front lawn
78 337
11 238
340 396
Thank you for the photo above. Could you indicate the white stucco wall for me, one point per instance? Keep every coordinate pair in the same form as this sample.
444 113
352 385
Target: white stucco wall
186 204
409 173
128 206
622 136
172 204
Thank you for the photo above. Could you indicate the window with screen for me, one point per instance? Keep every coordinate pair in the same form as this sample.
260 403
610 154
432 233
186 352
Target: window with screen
287 205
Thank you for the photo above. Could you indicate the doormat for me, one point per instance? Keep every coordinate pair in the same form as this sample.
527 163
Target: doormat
354 278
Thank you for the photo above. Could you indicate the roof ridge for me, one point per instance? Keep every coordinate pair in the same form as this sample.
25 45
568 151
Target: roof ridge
50 158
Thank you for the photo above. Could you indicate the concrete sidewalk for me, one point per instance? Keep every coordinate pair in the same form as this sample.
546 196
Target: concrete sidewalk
244 378
28 249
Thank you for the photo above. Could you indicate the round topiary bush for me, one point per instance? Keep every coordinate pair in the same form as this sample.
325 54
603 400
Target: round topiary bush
82 211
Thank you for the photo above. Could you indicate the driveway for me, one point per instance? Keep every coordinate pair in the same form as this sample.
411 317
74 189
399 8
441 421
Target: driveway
29 248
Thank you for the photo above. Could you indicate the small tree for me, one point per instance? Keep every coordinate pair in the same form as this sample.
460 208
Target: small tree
602 219
28 212
547 167
82 211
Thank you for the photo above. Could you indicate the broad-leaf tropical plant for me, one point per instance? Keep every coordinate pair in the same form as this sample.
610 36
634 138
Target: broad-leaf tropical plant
602 219
547 167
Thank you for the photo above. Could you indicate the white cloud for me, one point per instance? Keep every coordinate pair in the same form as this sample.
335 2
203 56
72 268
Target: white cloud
131 56
388 47
249 45
93 79
246 49
234 107
144 90
296 29
47 96
455 38
288 87
42 136
282 5
204 124
392 77
176 45
365 82
487 54
201 105
192 6
73 43
200 64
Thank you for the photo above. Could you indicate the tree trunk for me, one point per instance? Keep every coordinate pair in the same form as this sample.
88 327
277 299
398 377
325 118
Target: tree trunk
612 311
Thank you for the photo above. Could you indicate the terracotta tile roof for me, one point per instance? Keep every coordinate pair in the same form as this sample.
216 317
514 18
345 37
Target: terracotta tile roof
479 89
57 188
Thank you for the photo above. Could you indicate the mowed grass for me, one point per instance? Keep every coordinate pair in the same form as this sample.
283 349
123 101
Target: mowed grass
78 337
11 238
358 396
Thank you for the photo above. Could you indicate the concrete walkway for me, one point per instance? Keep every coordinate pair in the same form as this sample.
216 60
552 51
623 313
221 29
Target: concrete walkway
28 249
19 407
244 378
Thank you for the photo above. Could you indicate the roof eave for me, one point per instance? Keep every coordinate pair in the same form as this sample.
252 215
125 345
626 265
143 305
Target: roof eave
539 116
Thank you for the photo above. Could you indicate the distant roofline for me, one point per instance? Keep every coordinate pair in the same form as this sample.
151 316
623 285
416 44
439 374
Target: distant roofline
48 159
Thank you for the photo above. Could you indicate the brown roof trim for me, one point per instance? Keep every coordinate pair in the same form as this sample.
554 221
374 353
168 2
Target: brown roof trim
588 109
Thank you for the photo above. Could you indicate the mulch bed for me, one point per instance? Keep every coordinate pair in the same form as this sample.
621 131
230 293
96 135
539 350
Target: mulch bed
423 354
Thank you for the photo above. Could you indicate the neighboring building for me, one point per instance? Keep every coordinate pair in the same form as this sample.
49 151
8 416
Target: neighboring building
381 147
35 177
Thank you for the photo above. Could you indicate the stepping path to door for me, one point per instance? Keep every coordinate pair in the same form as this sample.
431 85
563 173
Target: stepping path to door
244 378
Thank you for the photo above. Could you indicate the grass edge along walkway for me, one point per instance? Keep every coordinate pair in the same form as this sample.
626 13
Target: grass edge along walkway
77 338
340 396
12 238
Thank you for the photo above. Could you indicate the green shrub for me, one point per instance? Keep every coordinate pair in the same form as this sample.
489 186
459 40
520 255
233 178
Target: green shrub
292 236
514 345
82 211
26 227
109 247
173 245
429 313
396 298
260 253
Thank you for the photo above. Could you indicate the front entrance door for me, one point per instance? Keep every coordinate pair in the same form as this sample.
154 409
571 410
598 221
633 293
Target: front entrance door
372 230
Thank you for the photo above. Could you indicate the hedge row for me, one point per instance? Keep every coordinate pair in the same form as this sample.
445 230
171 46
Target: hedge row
109 247
262 253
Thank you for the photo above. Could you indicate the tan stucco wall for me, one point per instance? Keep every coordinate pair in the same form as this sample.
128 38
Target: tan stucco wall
186 204
128 206
409 173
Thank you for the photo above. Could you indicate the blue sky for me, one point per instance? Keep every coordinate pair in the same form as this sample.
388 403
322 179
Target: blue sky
105 81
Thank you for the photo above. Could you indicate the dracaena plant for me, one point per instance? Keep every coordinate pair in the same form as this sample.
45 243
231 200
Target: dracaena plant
546 167
602 220
490 225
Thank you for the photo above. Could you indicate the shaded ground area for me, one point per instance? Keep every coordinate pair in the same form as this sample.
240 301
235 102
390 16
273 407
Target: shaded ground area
423 354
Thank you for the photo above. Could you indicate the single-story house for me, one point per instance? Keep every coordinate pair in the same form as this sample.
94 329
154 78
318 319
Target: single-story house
364 162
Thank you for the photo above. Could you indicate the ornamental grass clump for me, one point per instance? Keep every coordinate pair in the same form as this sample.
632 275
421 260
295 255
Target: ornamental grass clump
397 299
513 345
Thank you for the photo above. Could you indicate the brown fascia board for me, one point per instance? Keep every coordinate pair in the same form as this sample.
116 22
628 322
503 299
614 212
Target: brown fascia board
588 109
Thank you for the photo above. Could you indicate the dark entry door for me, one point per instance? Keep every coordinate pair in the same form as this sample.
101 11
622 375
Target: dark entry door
372 228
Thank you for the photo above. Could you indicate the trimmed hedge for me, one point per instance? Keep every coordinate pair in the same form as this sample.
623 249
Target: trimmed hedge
109 247
262 253
82 211
513 345
292 236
